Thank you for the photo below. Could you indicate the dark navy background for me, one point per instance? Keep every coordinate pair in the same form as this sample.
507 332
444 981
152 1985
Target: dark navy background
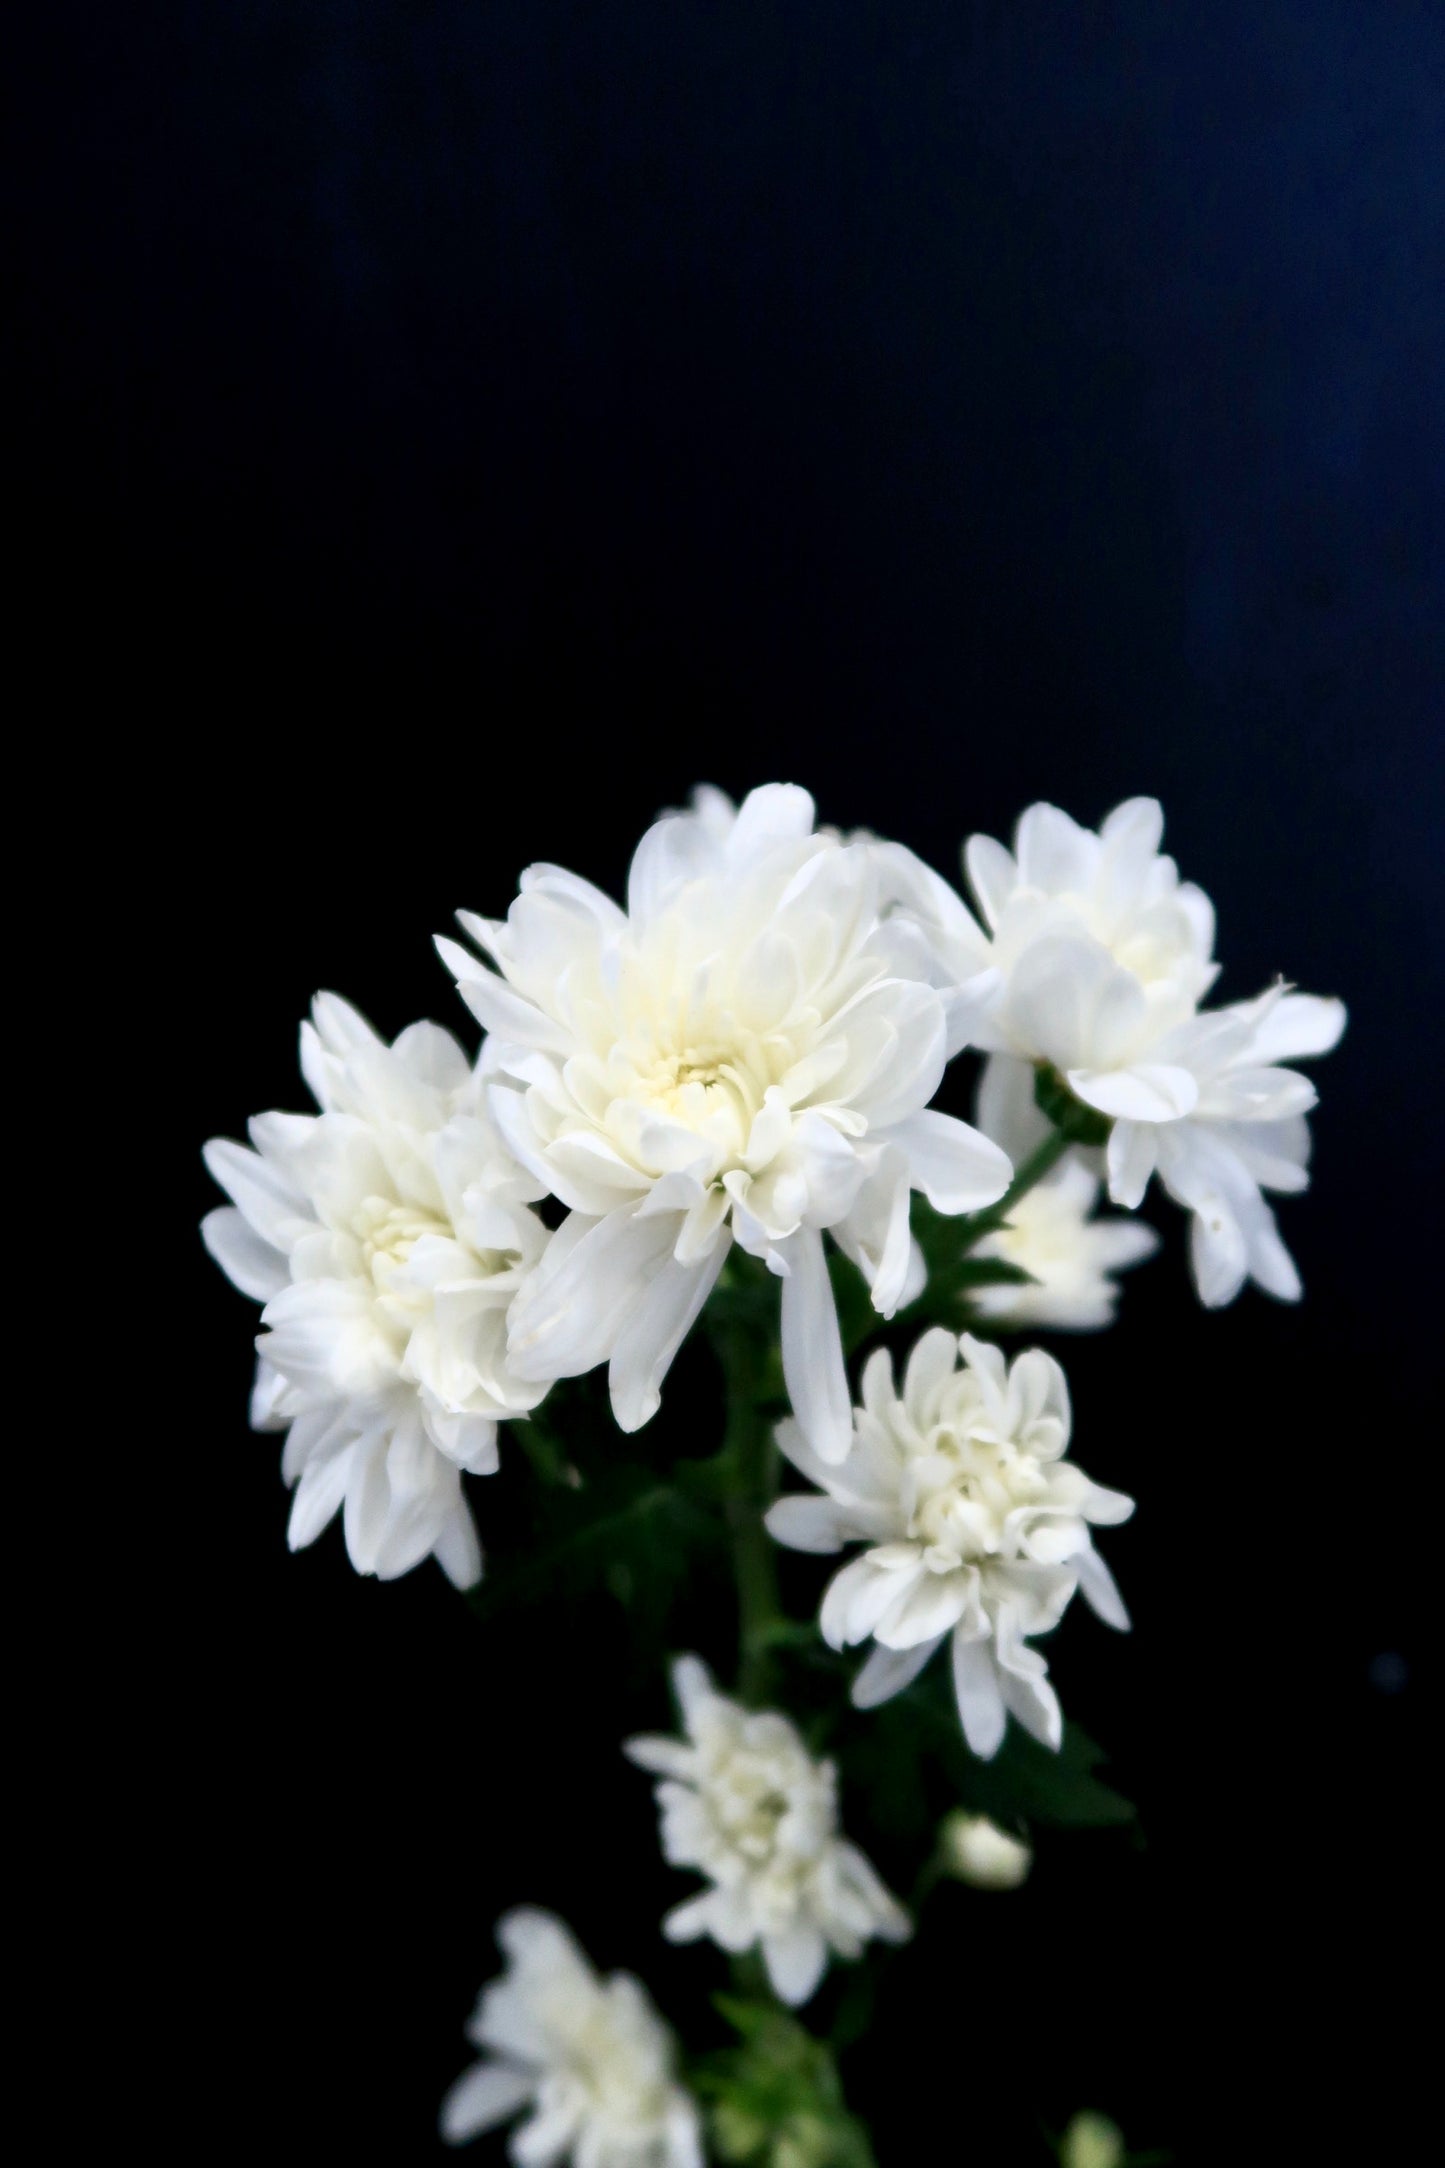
460 427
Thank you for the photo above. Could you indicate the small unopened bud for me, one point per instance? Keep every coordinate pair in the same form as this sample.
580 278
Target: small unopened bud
979 1852
1091 2141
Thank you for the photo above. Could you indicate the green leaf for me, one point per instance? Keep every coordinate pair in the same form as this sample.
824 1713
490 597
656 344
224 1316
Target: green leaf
627 1533
912 1764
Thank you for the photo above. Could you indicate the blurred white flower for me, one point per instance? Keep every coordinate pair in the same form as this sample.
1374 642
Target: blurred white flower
1051 1232
591 2058
386 1237
1091 2141
983 1855
1093 957
743 1801
978 1527
746 1053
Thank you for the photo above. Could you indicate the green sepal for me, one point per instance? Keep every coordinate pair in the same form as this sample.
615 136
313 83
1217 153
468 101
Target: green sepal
1054 1100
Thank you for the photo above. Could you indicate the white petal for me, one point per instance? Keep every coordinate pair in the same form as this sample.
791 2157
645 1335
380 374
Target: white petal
980 1700
1149 1091
932 1607
887 1672
1132 1153
498 1007
270 1203
1029 1697
1054 852
674 850
319 1495
808 1524
1134 830
248 1261
574 1308
268 1398
774 813
653 1334
661 1756
692 1684
992 874
1101 1590
795 1963
1270 1264
932 1359
1258 1095
457 1550
1055 990
485 2096
341 1028
957 1168
1218 1256
1297 1026
1005 1107
813 1368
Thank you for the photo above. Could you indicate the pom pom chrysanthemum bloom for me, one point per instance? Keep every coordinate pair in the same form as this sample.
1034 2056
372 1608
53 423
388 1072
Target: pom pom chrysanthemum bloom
978 1528
745 1803
387 1237
590 2057
1093 957
745 1054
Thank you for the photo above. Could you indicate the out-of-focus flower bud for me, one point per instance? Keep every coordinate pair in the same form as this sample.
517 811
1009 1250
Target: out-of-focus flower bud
1092 2141
979 1852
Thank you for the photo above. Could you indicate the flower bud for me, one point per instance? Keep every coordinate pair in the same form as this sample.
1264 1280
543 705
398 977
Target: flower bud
979 1852
1092 2141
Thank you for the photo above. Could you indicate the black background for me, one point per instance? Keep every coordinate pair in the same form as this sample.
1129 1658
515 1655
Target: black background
459 428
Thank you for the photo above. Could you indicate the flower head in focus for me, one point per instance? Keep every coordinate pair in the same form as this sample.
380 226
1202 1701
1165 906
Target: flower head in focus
978 1529
590 2057
745 1054
1053 1232
1092 958
386 1237
744 1802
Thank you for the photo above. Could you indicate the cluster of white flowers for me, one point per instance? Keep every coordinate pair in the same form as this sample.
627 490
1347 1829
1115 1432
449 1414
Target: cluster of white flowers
977 1528
386 1237
591 2058
745 1803
745 1054
1093 957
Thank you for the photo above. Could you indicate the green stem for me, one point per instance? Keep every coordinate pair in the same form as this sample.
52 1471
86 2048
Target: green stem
1042 1160
755 1462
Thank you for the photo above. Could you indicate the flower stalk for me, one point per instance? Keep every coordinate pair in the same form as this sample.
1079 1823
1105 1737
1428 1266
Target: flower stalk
753 1457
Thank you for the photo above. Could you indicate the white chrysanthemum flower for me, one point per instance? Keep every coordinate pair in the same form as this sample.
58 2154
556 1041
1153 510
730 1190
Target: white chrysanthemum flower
1093 957
590 2057
1052 1232
983 1855
745 1803
387 1237
746 1053
978 1528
